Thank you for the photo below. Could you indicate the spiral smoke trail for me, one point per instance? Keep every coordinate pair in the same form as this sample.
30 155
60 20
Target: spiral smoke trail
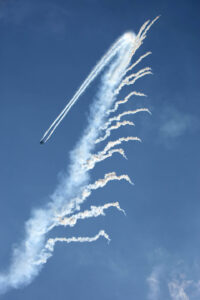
29 257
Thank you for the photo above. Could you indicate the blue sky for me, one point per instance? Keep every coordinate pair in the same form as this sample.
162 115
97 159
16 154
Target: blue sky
47 49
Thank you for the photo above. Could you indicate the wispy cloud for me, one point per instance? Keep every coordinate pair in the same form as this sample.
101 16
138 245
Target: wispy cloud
183 286
177 289
175 124
173 281
154 283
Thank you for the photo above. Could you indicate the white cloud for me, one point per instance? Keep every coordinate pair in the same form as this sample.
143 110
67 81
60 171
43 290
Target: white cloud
174 124
154 283
173 281
177 289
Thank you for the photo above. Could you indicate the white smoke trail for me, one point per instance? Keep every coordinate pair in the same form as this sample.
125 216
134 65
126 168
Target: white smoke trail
47 252
112 144
138 61
114 127
145 71
106 152
98 68
34 250
94 211
102 182
51 242
87 190
139 41
125 113
23 269
94 73
95 158
117 103
127 81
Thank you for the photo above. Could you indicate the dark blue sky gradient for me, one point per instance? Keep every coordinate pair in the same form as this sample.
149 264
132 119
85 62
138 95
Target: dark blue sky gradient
47 48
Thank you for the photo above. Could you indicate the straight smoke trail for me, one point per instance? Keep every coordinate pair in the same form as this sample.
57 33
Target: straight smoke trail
94 73
98 68
31 254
